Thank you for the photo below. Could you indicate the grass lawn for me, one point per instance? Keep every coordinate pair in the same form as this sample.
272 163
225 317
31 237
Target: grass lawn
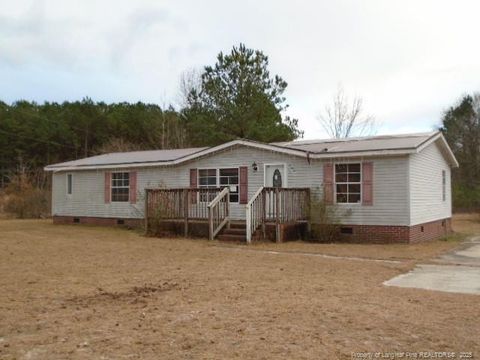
89 292
463 225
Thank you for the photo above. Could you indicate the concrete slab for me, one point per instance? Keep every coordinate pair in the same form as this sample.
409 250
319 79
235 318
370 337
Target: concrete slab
468 253
449 278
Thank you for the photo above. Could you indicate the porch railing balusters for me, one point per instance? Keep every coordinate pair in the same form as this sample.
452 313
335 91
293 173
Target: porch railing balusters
278 206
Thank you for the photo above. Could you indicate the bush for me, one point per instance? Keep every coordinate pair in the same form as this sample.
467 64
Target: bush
23 200
324 222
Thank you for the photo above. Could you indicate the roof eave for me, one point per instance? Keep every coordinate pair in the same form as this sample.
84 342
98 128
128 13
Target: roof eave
269 147
388 152
438 136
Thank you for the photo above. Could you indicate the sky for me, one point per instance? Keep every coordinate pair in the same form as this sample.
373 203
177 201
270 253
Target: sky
408 60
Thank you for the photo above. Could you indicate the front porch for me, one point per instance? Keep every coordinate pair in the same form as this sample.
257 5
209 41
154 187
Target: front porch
273 213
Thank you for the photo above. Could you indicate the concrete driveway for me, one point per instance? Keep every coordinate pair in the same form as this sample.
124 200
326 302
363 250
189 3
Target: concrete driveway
457 271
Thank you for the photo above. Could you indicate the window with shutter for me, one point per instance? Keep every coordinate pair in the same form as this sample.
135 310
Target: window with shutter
348 183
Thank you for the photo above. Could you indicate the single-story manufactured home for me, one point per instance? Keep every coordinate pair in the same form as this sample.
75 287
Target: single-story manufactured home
382 189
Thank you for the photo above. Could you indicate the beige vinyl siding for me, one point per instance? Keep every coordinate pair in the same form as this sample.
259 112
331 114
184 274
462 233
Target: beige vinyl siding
426 203
390 194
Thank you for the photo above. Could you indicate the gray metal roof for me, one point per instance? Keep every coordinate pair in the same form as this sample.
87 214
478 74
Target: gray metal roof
360 144
130 157
381 145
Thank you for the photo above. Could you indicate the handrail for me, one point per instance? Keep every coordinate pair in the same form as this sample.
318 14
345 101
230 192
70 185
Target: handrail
276 206
252 221
179 204
257 193
218 197
218 213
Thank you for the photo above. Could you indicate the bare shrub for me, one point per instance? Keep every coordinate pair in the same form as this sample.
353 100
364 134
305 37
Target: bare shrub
118 145
324 221
24 200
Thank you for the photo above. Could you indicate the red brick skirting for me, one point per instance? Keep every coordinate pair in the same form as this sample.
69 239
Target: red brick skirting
430 230
382 234
98 221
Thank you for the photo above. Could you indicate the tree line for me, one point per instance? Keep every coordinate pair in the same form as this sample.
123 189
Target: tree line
237 97
461 127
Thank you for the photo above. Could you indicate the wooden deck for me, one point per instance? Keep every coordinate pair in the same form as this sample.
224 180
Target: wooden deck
277 214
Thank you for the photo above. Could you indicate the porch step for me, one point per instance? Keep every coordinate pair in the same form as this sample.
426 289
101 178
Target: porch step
232 237
238 225
235 231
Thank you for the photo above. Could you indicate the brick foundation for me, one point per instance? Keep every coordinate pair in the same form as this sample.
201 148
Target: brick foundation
430 231
132 223
384 234
371 234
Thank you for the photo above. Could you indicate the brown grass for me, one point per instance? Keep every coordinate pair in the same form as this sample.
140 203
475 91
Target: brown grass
463 225
467 223
84 292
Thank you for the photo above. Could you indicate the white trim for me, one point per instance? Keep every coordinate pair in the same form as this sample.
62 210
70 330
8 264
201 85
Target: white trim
285 172
217 176
346 162
119 187
69 195
439 136
409 189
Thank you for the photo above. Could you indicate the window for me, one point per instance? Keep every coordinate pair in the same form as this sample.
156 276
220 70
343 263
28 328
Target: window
69 184
207 178
348 183
120 186
229 177
444 185
219 178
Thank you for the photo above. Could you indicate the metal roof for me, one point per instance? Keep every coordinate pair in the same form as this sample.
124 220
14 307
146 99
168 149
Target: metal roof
383 145
130 157
361 144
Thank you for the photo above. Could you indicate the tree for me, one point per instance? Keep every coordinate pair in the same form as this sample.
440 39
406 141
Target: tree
238 98
190 81
461 127
345 118
34 135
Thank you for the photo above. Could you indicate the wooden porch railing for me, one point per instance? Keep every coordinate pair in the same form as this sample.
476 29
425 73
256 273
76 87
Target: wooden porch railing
255 215
178 204
276 205
218 213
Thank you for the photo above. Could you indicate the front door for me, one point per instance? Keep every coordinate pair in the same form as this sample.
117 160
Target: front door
275 177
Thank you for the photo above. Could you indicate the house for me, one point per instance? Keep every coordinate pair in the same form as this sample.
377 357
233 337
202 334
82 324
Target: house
384 188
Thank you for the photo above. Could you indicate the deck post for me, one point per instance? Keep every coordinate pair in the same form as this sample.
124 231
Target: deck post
185 212
210 223
264 214
228 210
248 222
309 212
145 214
277 215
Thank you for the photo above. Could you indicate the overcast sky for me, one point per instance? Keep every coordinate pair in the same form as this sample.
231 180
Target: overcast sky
407 59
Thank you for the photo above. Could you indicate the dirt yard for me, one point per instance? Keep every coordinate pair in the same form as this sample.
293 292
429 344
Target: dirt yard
77 292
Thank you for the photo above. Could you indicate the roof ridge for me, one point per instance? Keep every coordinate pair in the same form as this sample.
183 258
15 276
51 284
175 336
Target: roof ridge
358 138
